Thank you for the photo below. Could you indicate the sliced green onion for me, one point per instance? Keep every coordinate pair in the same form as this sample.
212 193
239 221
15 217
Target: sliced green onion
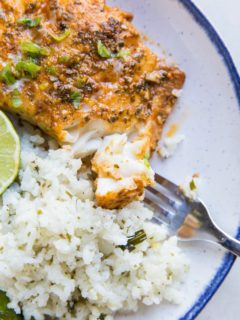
76 99
81 81
30 23
5 312
64 59
43 86
33 49
28 69
52 71
146 162
7 75
135 240
61 37
123 53
192 185
147 155
103 51
16 99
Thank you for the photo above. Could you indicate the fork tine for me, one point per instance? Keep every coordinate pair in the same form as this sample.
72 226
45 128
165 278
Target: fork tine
167 184
159 214
158 220
169 211
165 209
164 198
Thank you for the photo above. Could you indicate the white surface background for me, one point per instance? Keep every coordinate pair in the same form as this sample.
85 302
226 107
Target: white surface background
225 17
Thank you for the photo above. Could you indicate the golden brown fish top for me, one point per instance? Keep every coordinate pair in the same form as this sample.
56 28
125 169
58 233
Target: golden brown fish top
88 62
79 70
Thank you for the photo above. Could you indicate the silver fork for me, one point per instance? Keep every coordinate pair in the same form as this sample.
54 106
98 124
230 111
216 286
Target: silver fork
189 220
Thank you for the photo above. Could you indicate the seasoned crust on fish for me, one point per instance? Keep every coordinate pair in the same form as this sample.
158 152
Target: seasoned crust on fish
93 67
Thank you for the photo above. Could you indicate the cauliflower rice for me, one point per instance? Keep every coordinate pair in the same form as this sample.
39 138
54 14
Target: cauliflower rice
60 255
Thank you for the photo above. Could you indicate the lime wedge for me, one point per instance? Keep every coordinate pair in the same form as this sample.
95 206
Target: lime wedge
9 153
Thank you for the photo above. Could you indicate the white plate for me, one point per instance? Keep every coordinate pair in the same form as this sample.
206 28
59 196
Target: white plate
208 114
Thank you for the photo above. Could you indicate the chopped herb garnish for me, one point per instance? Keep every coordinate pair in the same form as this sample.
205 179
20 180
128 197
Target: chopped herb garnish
61 37
147 155
76 99
169 275
64 59
52 71
192 185
122 53
81 81
16 99
28 69
103 51
7 75
134 240
5 313
43 86
30 23
102 316
146 162
33 50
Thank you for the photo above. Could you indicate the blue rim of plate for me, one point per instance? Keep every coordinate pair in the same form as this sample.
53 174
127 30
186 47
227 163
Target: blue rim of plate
228 259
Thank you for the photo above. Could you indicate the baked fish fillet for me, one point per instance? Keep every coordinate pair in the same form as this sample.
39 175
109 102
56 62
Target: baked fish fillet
79 70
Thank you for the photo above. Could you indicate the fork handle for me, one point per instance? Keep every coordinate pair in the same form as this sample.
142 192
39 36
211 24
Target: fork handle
228 242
